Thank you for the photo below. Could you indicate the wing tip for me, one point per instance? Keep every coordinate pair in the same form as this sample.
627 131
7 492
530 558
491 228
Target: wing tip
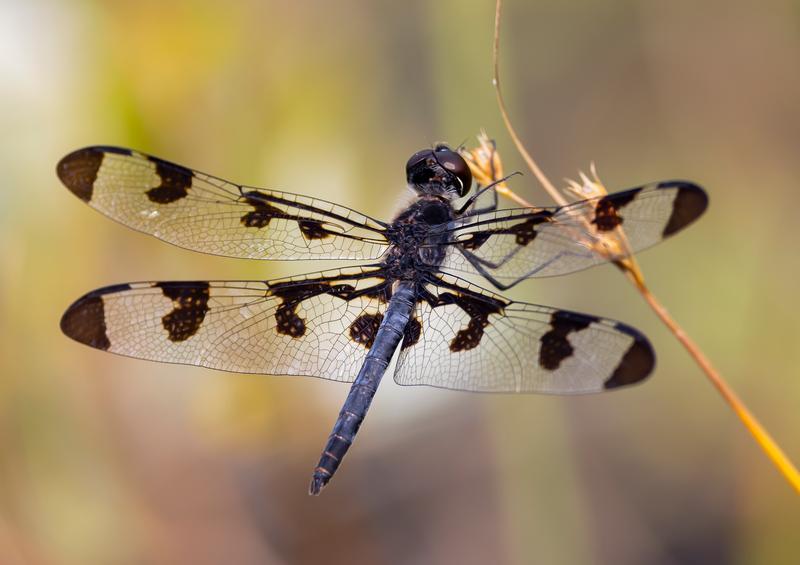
85 320
636 364
78 170
690 203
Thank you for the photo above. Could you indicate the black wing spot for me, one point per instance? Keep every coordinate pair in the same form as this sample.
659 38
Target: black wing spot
78 171
622 199
689 204
364 329
555 347
411 333
85 322
313 229
85 319
263 211
470 337
606 217
190 308
606 212
478 308
526 231
175 182
293 293
637 363
288 321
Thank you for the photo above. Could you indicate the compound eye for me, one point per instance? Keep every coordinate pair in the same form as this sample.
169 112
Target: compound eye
416 160
455 164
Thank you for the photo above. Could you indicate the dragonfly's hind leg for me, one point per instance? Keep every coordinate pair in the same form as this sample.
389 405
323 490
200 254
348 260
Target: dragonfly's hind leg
482 266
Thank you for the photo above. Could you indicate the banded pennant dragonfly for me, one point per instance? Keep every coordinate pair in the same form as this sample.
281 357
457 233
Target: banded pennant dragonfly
347 324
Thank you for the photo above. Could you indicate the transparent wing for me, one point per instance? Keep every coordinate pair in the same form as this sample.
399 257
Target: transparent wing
200 212
511 245
466 338
317 325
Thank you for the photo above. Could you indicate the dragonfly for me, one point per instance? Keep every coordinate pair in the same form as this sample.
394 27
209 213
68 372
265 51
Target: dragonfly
406 298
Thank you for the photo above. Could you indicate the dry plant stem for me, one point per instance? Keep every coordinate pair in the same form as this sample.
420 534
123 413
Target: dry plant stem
540 176
629 266
762 437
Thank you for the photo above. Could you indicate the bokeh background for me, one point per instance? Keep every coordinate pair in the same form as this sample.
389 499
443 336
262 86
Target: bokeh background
107 460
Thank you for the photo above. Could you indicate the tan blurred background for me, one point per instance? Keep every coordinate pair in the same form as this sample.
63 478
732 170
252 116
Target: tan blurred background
107 460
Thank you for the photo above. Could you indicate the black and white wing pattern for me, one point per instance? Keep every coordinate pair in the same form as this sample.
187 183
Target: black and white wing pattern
511 245
466 338
203 213
319 325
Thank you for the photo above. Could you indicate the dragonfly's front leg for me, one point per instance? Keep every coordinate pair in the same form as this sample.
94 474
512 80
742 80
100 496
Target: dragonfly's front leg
489 208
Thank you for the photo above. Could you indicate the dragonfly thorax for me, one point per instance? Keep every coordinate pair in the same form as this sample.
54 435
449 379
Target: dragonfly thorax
416 236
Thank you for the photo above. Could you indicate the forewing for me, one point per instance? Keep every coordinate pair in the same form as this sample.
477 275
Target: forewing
466 338
200 212
317 325
510 245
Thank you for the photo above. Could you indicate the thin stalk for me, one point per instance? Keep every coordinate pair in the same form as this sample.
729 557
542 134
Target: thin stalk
543 180
630 268
759 433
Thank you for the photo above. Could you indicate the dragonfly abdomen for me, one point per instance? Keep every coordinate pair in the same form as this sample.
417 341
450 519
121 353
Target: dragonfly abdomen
387 338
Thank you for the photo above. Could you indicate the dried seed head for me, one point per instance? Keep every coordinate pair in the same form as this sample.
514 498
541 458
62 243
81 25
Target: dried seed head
587 188
485 164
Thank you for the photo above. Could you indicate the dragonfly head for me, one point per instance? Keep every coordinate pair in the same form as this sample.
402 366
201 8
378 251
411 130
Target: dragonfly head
439 171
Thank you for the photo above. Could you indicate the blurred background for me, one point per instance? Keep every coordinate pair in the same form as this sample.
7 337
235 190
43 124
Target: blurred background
108 460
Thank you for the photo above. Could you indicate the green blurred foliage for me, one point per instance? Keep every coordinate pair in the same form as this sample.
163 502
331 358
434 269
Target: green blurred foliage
112 460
